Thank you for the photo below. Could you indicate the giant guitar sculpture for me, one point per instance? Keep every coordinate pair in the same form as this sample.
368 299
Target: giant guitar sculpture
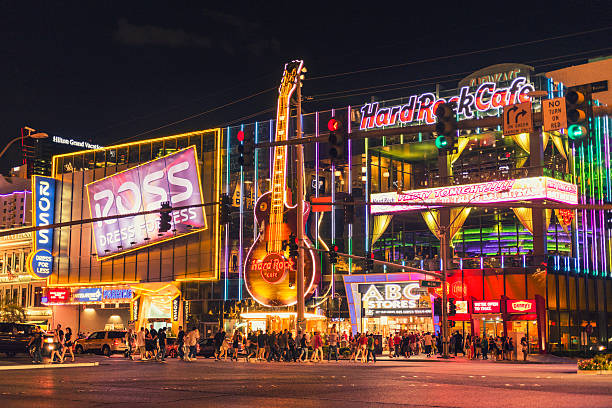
270 274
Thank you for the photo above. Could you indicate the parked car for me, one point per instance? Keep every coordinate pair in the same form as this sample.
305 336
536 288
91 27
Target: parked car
15 337
105 342
206 347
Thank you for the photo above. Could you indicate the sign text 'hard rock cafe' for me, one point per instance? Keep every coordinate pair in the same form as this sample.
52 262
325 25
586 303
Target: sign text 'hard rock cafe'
421 108
394 299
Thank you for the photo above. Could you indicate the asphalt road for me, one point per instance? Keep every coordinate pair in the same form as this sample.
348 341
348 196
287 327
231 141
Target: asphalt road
203 383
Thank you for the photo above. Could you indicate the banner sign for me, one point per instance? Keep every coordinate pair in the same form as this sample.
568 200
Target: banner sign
421 108
57 295
40 264
87 295
520 306
461 307
485 306
174 178
394 299
176 304
532 188
118 294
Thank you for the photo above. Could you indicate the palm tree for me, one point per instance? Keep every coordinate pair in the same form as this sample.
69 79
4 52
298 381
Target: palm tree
11 311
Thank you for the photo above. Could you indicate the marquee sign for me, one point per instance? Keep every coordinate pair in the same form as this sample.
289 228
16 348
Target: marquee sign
40 262
421 108
532 188
174 178
87 295
394 299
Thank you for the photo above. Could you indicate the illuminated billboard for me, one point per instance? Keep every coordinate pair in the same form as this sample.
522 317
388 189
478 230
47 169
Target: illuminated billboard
532 188
173 178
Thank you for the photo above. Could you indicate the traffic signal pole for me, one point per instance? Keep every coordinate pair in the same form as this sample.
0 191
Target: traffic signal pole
444 330
300 322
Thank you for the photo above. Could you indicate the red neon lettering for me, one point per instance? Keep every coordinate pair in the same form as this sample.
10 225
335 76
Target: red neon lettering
499 98
481 105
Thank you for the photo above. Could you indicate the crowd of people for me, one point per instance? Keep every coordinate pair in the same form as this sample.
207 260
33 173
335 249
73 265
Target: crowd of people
63 341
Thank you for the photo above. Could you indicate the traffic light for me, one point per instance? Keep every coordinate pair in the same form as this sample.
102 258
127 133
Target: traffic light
446 127
165 217
293 246
249 149
349 209
609 219
369 262
579 107
452 308
226 207
333 255
338 139
438 306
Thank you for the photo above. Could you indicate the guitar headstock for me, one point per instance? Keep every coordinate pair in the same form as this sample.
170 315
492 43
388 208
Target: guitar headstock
291 74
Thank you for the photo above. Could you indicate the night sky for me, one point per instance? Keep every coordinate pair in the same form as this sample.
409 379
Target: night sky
107 71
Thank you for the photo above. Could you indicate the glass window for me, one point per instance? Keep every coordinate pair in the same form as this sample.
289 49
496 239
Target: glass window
116 335
572 292
562 292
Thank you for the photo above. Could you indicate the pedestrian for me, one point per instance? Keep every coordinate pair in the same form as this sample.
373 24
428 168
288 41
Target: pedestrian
390 345
194 336
332 346
36 343
305 344
524 347
468 347
141 343
282 344
291 347
477 348
180 342
68 344
370 346
236 342
428 342
484 346
224 348
129 342
510 349
250 346
397 344
161 340
498 349
217 342
261 346
363 345
58 339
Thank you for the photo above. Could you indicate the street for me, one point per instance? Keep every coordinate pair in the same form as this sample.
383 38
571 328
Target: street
205 382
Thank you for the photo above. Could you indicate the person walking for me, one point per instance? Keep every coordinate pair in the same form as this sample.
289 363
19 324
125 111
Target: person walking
180 343
129 342
217 342
224 347
484 346
141 343
236 342
468 347
291 347
36 343
510 349
68 344
194 336
305 344
428 342
317 347
370 346
250 346
282 345
58 339
332 346
261 346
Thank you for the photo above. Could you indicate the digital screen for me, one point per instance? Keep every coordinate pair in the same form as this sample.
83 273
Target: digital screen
173 178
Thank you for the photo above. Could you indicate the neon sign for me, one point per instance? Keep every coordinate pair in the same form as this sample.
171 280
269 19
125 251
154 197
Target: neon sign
521 306
40 262
485 306
273 267
173 178
118 294
422 107
532 188
394 299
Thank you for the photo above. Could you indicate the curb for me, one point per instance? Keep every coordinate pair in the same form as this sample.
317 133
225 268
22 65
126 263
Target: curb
46 366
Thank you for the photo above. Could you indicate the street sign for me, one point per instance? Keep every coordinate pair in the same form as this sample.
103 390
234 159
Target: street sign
517 118
554 114
430 284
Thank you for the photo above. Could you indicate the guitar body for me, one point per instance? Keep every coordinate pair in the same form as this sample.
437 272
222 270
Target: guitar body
270 275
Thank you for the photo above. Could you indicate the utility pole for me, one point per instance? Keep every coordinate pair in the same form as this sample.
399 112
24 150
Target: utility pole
444 250
300 322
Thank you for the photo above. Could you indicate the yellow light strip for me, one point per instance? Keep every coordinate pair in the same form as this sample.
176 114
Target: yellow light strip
91 284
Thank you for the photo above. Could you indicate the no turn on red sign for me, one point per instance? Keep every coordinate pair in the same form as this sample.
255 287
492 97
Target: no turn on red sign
554 114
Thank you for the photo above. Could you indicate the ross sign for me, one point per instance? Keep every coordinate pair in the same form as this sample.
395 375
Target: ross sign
485 306
118 294
430 284
176 304
461 307
517 118
87 295
135 309
394 299
41 262
421 108
174 178
520 306
57 295
532 188
554 114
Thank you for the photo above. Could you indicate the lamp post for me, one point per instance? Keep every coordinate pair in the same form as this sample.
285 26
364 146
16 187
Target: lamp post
37 135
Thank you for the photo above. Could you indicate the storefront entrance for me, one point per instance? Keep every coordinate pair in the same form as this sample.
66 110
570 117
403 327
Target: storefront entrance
386 325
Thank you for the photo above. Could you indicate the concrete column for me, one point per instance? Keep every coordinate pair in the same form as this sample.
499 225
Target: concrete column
536 169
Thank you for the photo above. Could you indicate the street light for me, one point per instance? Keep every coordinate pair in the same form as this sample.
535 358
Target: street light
38 135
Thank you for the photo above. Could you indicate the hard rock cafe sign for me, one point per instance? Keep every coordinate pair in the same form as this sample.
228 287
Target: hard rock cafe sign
274 267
